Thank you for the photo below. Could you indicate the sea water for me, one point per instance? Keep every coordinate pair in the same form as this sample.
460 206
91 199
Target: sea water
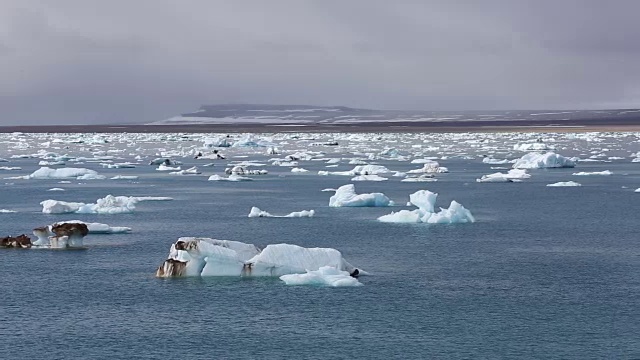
542 273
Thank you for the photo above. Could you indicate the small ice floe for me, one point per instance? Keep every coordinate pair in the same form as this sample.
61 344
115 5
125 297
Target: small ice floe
91 177
119 166
108 205
299 170
163 167
325 276
637 190
5 211
190 171
536 146
51 163
429 167
256 212
10 168
16 242
56 189
425 201
346 196
165 162
215 155
61 235
369 178
99 228
211 257
565 183
492 161
513 175
125 177
536 160
586 173
63 173
242 170
421 178
229 178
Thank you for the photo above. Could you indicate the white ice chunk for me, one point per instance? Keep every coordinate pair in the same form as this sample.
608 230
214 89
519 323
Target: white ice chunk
346 196
536 160
325 276
565 183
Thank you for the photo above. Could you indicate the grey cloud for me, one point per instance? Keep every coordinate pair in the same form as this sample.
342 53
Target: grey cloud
79 61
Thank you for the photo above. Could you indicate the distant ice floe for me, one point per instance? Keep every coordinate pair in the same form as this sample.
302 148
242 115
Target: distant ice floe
536 160
359 170
425 201
190 171
56 189
513 175
63 173
369 178
536 146
346 196
108 205
243 170
493 161
5 211
421 178
429 167
565 183
299 170
256 212
191 256
10 168
125 177
586 173
637 190
165 162
229 178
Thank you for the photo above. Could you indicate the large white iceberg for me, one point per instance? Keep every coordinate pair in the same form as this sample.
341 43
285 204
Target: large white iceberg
536 160
346 196
425 201
212 257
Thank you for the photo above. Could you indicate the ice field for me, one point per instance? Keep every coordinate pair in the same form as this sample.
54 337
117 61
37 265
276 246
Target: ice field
467 245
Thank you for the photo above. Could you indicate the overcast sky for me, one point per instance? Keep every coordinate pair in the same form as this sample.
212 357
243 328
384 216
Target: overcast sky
125 61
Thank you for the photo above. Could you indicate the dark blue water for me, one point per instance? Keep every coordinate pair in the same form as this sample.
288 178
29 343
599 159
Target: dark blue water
543 273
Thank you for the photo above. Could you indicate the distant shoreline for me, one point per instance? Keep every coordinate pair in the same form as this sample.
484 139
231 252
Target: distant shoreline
599 125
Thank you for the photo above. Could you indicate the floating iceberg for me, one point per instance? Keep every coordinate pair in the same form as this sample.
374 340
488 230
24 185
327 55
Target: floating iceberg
212 257
536 160
99 228
584 173
325 276
511 176
165 162
565 183
369 178
256 212
429 167
108 205
346 196
229 178
421 178
536 146
492 161
61 235
425 201
63 173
